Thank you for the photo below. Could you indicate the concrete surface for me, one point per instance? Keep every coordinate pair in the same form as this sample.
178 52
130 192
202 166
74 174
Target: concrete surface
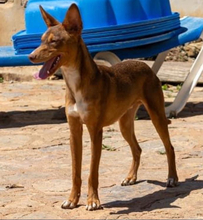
35 160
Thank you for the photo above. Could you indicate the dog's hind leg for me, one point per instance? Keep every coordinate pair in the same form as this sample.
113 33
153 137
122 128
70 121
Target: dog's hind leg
76 131
126 124
154 103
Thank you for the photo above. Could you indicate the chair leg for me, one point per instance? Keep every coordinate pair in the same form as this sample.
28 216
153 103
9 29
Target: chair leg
187 88
159 61
107 56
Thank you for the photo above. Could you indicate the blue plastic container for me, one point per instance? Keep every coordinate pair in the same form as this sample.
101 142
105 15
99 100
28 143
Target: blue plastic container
118 33
33 19
152 8
166 8
96 13
127 11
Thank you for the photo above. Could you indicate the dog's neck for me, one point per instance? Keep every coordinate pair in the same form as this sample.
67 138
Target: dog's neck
81 70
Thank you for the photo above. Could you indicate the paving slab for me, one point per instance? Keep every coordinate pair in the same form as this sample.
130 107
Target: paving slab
35 161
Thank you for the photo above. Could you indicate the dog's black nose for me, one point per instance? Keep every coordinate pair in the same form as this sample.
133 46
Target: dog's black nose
32 57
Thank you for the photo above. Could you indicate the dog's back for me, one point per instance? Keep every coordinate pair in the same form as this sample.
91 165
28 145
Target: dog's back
129 77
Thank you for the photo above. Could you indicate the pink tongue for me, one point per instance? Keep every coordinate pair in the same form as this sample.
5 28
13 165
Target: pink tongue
42 74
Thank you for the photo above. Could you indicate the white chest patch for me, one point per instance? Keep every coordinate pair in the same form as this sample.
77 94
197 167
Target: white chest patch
72 77
81 105
80 108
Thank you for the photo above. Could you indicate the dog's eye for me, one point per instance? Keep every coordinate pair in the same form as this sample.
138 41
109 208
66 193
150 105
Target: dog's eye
53 41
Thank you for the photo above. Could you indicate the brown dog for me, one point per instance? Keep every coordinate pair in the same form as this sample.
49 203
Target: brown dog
99 96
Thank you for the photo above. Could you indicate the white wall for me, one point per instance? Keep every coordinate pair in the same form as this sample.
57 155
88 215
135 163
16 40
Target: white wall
188 7
11 20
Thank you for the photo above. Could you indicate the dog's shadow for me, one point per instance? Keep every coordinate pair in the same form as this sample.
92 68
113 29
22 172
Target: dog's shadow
15 119
162 199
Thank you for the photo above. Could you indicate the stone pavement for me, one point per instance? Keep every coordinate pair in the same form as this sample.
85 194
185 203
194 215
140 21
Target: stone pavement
35 162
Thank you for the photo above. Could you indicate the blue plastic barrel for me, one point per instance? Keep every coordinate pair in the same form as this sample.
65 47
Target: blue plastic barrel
96 13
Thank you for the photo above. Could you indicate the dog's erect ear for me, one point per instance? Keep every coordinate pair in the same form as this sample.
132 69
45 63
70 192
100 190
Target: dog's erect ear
49 20
73 21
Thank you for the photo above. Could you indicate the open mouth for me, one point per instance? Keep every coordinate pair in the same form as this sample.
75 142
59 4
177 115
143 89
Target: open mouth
48 68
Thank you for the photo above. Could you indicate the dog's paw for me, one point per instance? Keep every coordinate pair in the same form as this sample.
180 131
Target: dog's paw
68 205
171 182
95 205
128 181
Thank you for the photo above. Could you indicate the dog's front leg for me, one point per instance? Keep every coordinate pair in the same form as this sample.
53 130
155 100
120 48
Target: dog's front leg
93 202
76 152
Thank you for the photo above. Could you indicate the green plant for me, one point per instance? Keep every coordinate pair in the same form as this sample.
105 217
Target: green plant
1 79
108 148
161 152
178 87
165 87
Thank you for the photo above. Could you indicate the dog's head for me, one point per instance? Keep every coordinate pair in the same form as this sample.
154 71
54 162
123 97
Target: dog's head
59 43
